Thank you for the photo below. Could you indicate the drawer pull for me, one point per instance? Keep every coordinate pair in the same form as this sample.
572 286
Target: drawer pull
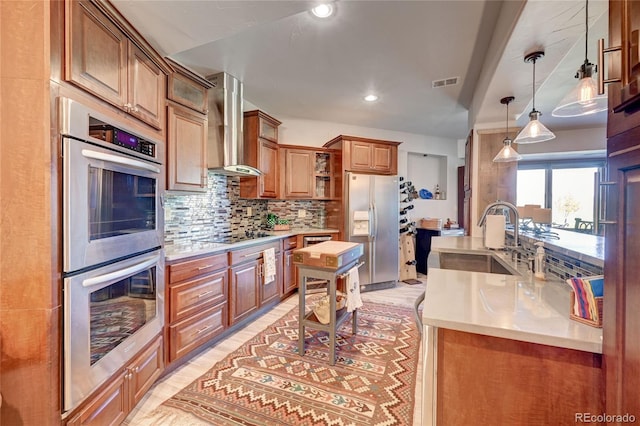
205 293
200 268
253 254
203 329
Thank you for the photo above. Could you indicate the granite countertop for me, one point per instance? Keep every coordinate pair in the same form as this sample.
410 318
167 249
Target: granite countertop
175 252
515 307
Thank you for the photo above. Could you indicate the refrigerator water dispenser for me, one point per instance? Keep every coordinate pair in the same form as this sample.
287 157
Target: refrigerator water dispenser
361 223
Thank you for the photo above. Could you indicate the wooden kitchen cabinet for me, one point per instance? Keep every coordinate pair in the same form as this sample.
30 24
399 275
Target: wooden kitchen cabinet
307 173
621 318
188 88
197 299
261 152
186 150
289 277
244 295
362 155
298 172
624 63
247 291
102 59
114 402
187 129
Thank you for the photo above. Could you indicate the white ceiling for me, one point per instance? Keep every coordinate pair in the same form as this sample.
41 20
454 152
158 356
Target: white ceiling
293 64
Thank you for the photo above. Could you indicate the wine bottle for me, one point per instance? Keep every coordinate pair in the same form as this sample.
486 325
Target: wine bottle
405 229
404 220
406 209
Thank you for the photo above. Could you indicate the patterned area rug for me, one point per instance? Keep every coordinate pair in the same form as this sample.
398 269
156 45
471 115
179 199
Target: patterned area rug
112 322
266 382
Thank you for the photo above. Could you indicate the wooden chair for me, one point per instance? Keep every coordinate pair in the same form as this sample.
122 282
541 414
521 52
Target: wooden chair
583 226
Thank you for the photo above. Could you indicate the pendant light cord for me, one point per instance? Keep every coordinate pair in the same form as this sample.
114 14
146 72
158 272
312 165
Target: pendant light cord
533 85
586 37
507 135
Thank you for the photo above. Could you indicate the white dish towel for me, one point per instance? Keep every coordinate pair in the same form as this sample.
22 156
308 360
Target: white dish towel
352 284
269 256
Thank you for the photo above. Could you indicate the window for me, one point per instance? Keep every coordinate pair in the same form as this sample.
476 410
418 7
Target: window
567 188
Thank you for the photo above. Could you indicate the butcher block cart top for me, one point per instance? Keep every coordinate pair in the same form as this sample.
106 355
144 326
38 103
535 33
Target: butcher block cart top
329 260
330 255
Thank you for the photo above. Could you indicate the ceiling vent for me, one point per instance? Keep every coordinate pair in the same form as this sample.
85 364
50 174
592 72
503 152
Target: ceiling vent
451 81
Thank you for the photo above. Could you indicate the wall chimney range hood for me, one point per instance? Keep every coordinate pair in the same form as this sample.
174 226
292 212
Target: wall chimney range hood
225 144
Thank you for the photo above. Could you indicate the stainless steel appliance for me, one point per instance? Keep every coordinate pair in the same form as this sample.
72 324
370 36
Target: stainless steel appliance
111 186
110 314
371 218
113 261
225 145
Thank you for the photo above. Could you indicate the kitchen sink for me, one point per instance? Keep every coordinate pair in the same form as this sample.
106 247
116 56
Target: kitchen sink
475 262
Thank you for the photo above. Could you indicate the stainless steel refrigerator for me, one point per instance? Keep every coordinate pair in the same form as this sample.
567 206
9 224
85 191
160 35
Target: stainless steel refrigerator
371 218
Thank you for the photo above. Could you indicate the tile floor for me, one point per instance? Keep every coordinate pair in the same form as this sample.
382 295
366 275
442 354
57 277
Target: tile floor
169 385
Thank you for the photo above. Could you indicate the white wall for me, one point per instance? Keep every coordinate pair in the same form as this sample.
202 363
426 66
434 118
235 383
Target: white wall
294 131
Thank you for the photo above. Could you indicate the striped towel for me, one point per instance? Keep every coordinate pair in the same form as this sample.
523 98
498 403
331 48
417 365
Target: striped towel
269 265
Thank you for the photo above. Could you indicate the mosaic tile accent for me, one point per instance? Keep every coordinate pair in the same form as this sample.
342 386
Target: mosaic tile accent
558 264
221 213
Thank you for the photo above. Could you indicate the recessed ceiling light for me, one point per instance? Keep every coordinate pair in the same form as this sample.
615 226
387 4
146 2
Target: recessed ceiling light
323 10
371 98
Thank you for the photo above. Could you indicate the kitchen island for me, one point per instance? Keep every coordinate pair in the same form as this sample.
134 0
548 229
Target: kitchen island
501 349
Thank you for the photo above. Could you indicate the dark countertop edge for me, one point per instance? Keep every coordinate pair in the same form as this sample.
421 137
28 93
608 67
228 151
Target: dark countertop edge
199 249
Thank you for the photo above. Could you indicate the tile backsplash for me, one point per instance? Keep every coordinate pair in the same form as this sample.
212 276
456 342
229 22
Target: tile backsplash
220 212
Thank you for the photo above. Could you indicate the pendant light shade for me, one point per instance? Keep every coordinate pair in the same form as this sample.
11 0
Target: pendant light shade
534 131
584 98
507 153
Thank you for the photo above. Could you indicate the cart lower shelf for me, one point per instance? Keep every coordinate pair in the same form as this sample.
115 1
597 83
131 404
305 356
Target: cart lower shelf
337 317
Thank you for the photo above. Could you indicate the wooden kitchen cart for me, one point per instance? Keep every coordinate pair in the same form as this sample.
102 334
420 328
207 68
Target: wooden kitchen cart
329 261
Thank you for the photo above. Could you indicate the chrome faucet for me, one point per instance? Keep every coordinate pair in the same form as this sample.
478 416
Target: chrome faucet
514 209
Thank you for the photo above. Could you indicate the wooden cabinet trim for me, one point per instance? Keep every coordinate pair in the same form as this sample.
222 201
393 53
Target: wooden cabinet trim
251 253
193 295
186 335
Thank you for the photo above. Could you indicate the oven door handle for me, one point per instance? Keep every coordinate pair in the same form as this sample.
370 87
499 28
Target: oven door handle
122 273
117 159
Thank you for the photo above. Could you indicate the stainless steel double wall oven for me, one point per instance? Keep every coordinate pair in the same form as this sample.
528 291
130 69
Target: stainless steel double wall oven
113 260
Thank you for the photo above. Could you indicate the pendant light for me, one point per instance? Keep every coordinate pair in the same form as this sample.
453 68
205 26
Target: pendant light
507 153
584 98
534 131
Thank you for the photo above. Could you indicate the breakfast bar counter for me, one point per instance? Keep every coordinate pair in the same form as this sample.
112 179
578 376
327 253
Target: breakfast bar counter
500 348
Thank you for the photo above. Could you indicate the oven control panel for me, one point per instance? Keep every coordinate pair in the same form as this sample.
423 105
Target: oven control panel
121 138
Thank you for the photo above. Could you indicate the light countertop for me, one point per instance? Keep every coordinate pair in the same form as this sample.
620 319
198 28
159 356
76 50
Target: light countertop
509 306
175 252
584 247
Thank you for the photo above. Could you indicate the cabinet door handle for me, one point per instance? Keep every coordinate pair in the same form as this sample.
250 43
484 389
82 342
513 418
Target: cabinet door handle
602 203
601 52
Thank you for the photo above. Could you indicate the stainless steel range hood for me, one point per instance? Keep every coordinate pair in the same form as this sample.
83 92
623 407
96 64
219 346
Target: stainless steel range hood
225 138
